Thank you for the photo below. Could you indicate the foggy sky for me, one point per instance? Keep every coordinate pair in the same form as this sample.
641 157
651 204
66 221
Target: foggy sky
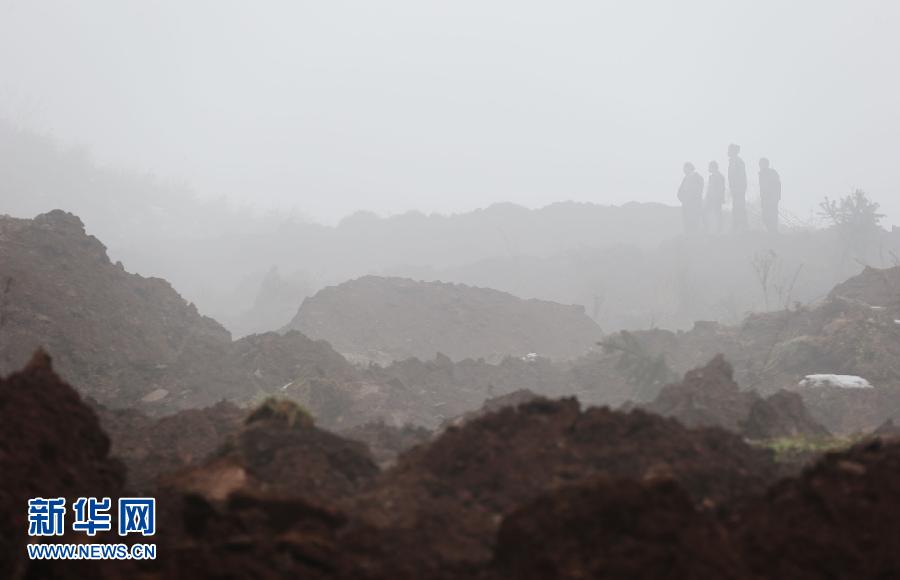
334 106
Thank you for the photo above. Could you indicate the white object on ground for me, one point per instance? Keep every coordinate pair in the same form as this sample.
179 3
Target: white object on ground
842 381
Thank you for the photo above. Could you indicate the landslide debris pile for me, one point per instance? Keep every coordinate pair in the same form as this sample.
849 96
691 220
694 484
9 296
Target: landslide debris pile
839 519
443 502
709 396
150 447
280 451
873 286
129 341
540 490
613 528
386 319
852 332
51 445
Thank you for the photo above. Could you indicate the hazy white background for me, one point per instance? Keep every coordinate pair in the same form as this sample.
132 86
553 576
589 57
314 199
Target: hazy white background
333 106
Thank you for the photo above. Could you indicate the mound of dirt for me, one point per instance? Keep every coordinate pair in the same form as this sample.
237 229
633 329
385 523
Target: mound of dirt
839 519
853 332
250 535
780 415
448 497
708 396
609 528
51 445
385 319
873 286
110 332
280 451
152 447
128 341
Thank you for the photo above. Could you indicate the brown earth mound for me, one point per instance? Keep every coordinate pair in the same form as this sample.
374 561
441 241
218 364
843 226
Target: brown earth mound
708 396
51 445
609 528
780 415
280 451
110 332
838 520
129 341
443 502
151 447
853 332
873 286
386 319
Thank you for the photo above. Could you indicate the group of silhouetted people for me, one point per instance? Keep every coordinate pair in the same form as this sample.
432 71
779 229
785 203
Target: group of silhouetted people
704 214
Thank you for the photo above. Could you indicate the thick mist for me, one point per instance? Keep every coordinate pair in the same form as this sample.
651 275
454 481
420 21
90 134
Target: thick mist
333 107
227 147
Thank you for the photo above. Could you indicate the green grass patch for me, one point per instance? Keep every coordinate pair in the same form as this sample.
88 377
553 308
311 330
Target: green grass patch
801 447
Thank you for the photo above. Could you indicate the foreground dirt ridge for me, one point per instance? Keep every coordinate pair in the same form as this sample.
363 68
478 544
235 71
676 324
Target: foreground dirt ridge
542 489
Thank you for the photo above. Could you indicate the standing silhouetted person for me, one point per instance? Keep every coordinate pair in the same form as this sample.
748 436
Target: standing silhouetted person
715 197
690 194
770 194
737 184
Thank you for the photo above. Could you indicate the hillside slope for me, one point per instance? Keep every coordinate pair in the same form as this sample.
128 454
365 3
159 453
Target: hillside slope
126 340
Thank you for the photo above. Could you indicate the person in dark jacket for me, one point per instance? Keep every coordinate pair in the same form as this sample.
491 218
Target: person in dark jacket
690 194
715 198
737 185
769 194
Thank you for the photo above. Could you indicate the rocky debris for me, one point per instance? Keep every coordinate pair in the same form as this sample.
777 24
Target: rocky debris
539 490
105 327
129 341
387 319
780 415
607 528
879 287
851 411
51 445
853 332
447 498
150 447
386 442
433 392
839 519
280 451
709 396
250 535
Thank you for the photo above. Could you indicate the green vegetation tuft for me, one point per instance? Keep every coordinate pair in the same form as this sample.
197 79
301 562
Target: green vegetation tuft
803 447
284 411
